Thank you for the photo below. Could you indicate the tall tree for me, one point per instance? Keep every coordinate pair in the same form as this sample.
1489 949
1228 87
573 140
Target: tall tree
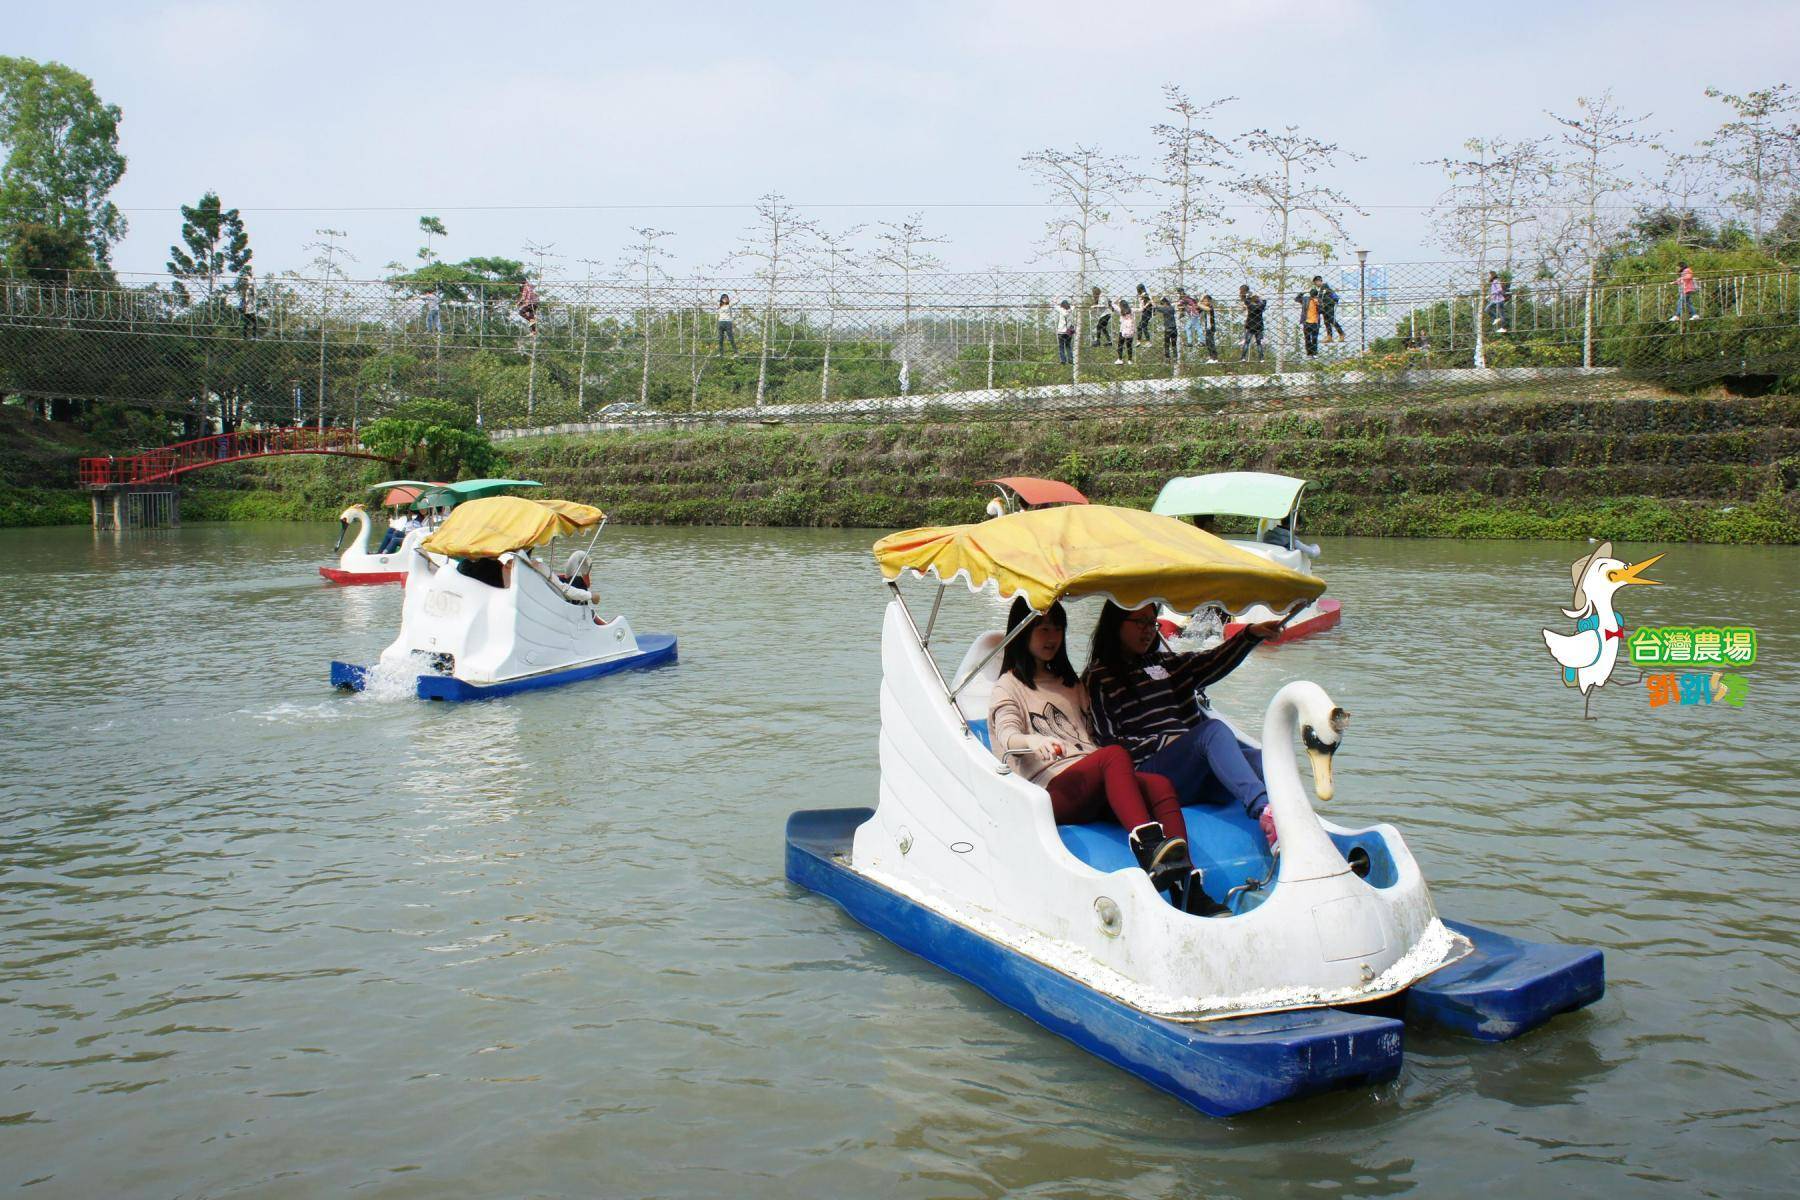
1592 139
431 227
644 267
1297 213
1190 154
1491 193
773 242
832 255
1082 184
902 246
62 155
213 244
1759 152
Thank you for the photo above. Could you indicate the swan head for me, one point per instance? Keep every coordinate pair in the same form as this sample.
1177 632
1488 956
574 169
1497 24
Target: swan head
1322 726
353 510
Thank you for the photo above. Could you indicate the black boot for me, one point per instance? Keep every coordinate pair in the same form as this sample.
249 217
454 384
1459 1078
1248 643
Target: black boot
1196 900
1145 840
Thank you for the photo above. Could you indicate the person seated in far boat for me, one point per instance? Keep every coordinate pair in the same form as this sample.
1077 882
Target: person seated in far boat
1282 534
490 571
576 580
396 532
1149 701
1039 722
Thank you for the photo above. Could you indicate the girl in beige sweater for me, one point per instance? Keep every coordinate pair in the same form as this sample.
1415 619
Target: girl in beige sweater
1040 721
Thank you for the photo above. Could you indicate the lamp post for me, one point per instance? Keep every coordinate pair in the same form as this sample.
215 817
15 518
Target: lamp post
1362 297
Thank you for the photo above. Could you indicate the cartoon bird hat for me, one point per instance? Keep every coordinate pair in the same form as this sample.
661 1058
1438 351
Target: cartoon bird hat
1579 570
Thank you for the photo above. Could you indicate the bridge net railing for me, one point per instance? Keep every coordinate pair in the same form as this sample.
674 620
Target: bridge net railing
860 347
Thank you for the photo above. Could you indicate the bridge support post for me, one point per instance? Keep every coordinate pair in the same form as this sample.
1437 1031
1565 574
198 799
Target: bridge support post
136 507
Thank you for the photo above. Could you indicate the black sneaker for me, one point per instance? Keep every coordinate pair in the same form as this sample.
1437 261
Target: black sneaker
1196 901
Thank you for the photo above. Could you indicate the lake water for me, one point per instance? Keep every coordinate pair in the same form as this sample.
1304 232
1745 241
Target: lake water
262 939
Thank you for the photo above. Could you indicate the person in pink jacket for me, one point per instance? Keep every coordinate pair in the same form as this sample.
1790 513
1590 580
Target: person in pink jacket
1040 722
1684 303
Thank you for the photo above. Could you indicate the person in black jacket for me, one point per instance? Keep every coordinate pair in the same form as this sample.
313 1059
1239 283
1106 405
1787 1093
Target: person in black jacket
1253 321
1165 309
1328 302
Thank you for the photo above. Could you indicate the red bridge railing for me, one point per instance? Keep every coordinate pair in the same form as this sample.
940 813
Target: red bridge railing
168 462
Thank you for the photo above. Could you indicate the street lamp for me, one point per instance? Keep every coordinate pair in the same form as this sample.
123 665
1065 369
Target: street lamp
1362 295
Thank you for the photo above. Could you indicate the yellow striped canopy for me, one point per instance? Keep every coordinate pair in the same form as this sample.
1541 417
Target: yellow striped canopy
490 527
1132 557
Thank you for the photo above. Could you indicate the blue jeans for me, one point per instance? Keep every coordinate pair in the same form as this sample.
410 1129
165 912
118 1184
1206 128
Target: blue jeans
1208 765
1684 306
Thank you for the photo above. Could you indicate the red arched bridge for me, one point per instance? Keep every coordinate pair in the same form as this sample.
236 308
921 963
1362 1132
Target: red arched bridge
172 462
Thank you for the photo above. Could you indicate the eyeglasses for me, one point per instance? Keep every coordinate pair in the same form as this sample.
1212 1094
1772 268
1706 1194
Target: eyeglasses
1148 622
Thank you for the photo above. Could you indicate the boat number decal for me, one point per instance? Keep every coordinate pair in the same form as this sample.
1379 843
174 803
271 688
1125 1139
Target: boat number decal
442 604
962 847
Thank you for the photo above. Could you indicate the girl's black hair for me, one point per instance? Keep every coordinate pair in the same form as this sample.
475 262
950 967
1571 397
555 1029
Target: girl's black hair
724 297
1106 650
1018 660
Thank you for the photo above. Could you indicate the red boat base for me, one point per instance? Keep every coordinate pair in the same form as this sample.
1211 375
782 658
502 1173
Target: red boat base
345 578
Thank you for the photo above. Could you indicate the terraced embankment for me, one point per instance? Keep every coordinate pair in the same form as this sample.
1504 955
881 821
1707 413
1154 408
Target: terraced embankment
1663 468
1651 467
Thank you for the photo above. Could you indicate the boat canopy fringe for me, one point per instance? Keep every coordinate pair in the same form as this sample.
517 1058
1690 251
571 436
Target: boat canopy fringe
492 527
1133 558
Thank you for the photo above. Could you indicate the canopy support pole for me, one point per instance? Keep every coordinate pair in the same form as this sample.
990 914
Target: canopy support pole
989 657
931 620
949 696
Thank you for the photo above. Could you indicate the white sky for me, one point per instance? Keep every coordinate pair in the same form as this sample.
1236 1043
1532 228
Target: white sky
363 116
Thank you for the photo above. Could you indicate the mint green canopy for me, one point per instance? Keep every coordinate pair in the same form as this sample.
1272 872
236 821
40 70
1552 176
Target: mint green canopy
449 495
1230 493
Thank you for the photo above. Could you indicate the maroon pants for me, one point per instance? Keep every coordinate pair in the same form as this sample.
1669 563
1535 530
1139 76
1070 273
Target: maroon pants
1104 781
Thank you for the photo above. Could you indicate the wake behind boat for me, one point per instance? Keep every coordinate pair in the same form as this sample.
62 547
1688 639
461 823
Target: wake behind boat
484 617
962 861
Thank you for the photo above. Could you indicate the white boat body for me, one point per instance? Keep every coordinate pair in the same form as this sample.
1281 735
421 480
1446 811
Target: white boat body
497 634
957 831
359 559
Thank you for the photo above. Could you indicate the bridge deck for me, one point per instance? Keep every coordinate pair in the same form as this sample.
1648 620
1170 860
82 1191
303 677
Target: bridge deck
170 462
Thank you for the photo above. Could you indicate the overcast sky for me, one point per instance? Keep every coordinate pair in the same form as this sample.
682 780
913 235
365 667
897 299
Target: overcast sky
570 123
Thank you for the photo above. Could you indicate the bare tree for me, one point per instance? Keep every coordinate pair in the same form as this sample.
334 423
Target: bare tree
1684 177
902 246
1082 183
832 256
1758 152
1295 211
773 242
1592 138
540 251
645 268
1490 195
1190 153
326 253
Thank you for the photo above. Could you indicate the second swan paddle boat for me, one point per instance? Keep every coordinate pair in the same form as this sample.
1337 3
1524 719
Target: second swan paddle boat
1274 502
485 617
361 561
962 863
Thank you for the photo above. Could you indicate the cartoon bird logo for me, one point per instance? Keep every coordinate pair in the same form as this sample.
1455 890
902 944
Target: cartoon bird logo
1587 656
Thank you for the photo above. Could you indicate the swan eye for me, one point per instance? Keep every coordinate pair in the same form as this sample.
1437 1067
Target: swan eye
1312 741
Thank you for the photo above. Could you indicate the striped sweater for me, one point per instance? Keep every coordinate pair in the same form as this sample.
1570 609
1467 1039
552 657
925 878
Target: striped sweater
1144 706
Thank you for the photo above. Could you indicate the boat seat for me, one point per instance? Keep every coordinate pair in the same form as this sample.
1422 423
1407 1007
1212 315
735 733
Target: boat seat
980 730
1224 842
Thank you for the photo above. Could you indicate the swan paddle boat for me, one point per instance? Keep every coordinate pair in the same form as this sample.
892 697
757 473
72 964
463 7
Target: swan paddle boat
1274 502
1328 948
1018 493
485 617
363 563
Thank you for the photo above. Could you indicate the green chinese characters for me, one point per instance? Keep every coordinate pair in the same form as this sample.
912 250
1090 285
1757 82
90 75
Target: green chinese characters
1691 645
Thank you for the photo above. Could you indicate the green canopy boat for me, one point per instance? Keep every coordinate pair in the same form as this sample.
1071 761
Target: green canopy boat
449 495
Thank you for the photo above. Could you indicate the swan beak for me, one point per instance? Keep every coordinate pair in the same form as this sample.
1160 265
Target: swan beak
1630 574
1321 769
